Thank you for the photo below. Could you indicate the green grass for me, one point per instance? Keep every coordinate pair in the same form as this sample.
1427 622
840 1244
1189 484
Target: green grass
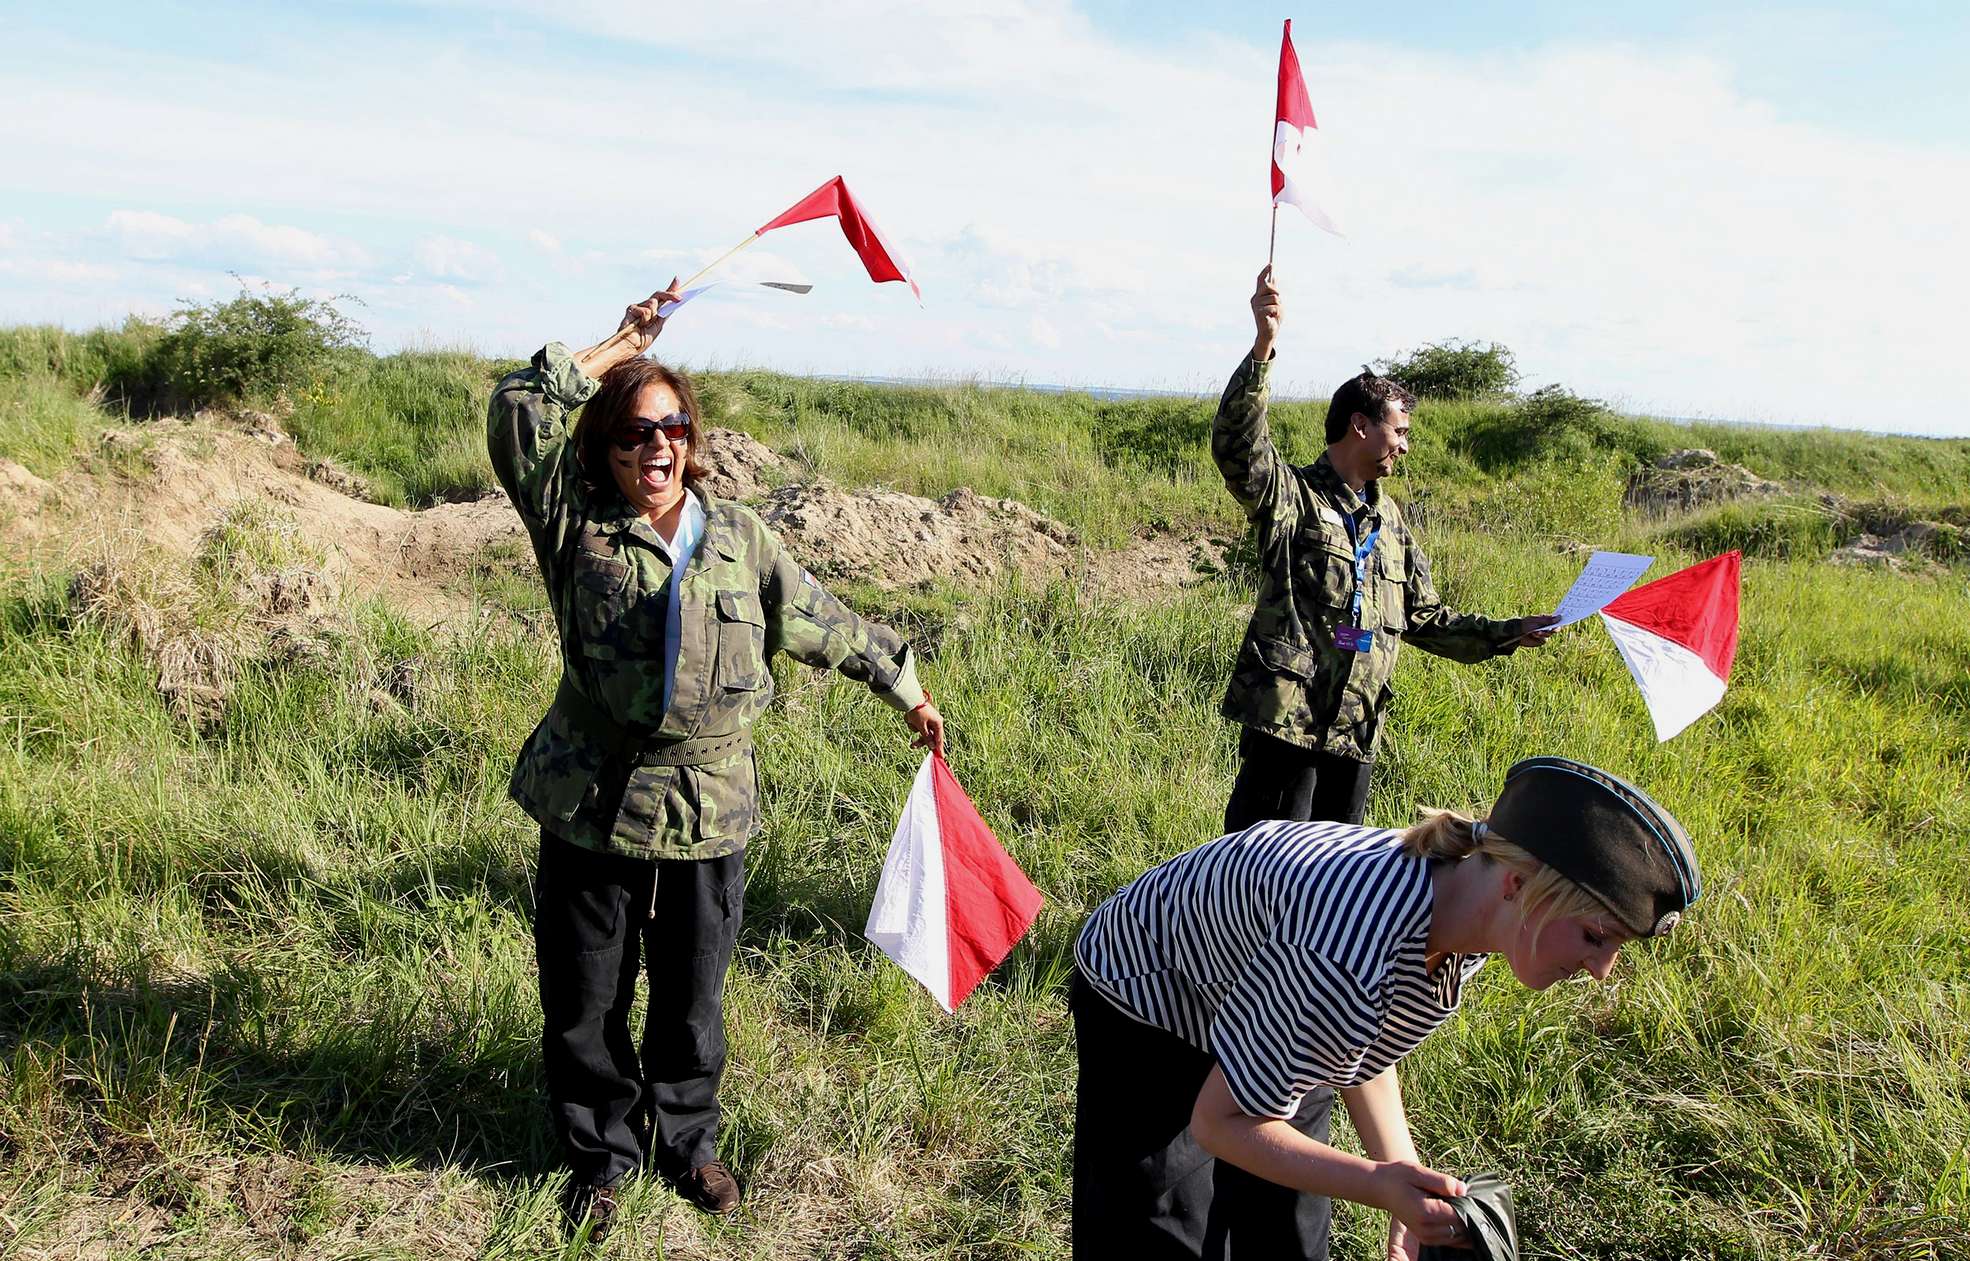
266 985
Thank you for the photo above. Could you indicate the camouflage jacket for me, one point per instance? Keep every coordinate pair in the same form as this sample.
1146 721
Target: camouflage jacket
1290 680
743 598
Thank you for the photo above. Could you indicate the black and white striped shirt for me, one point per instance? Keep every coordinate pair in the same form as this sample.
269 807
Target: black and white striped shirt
1292 952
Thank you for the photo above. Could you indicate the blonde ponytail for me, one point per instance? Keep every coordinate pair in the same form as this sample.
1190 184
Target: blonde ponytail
1444 835
1447 836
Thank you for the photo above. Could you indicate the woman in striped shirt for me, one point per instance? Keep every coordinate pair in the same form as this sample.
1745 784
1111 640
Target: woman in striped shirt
1221 999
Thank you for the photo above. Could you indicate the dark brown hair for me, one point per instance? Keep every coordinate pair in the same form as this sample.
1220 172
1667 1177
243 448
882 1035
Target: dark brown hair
614 404
1367 394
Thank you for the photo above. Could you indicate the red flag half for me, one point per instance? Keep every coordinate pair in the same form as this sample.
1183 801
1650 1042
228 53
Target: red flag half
834 199
1678 636
951 903
1299 166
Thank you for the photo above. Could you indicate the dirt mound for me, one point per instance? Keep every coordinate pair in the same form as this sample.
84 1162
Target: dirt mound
22 496
893 540
1693 478
168 483
742 467
195 489
254 589
1911 547
896 540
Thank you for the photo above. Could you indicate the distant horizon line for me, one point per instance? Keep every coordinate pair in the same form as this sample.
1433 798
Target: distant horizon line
1116 393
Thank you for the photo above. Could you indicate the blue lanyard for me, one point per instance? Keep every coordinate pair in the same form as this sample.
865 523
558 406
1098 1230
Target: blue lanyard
1361 552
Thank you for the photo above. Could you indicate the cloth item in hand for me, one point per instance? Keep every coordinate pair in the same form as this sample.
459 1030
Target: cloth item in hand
1491 1229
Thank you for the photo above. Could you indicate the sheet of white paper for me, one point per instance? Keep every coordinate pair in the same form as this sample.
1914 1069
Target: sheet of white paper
684 297
1606 576
688 294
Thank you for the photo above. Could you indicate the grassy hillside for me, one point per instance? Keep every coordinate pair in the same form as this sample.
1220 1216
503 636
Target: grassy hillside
266 984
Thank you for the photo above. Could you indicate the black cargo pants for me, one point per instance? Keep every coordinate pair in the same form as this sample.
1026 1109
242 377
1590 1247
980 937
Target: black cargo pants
614 1110
1143 1188
1277 780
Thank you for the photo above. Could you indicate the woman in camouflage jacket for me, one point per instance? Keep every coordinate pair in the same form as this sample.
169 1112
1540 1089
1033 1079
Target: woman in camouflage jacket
668 603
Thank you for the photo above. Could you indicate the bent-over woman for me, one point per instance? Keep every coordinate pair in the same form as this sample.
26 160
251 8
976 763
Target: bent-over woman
1223 998
668 603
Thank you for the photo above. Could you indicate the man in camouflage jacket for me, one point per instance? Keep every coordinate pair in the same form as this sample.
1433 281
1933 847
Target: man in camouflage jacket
1342 583
641 774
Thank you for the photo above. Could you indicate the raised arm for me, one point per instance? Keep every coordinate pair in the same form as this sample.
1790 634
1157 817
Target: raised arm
527 418
1241 441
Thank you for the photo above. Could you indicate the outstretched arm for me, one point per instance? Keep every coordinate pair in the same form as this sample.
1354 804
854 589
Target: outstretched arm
810 625
1432 626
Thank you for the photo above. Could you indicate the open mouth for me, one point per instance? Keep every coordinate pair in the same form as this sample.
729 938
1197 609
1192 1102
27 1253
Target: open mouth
655 474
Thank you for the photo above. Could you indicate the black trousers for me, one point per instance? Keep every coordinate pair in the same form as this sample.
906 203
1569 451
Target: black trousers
616 1107
1143 1188
1277 780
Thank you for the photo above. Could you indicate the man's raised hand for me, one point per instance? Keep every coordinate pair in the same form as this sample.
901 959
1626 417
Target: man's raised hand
1266 315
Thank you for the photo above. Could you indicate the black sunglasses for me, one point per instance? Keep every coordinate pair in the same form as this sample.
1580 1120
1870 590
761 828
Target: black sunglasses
675 428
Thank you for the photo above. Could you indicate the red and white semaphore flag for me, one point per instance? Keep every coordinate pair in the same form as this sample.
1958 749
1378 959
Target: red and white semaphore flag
1678 635
1299 163
833 199
951 903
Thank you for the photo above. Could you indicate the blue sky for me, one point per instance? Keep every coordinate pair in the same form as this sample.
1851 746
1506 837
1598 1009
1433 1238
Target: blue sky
1747 212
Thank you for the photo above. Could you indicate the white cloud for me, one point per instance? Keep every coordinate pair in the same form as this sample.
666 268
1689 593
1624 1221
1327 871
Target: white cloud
59 271
1628 221
449 258
233 241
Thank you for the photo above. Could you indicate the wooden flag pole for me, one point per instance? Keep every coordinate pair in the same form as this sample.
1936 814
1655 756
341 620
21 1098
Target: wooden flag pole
702 272
1272 240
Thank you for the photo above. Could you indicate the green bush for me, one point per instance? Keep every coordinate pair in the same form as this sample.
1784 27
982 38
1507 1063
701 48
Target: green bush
257 343
1555 425
1454 369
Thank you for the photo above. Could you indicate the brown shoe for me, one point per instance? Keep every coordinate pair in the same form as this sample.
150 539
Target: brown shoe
596 1209
711 1187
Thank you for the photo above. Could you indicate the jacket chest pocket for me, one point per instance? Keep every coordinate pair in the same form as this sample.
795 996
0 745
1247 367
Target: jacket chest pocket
599 595
741 641
1325 576
1392 588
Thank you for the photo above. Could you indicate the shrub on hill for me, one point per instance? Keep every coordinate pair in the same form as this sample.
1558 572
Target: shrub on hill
1555 425
259 342
1454 369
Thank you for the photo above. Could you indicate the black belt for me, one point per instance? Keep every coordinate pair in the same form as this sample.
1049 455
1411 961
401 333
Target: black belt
642 750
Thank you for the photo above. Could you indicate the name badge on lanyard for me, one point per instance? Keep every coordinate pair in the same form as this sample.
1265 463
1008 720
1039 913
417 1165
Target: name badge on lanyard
1351 637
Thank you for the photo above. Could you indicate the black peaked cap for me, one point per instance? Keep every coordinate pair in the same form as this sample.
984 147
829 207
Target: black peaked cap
1605 835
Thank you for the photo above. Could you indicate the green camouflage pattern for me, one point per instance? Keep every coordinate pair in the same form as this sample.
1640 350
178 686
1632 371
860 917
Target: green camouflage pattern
743 599
1290 681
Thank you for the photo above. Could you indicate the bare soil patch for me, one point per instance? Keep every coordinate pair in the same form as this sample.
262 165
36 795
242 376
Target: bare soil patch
1685 480
170 482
